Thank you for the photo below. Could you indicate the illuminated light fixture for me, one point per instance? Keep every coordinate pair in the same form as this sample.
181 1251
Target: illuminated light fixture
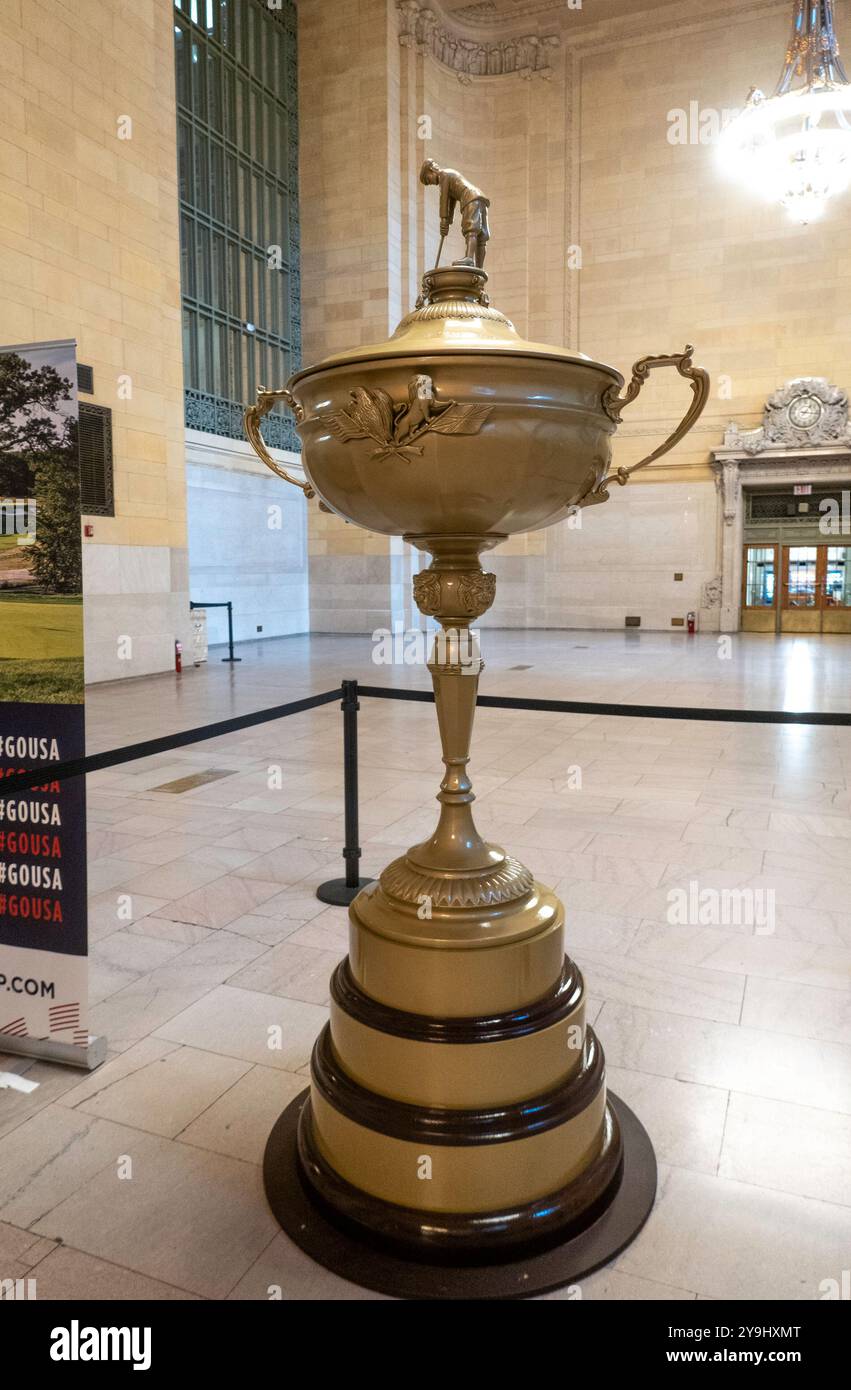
794 147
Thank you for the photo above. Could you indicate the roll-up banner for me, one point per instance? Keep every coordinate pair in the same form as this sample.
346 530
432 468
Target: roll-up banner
43 925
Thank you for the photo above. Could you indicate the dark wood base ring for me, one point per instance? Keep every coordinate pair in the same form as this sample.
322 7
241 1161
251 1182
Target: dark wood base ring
352 1254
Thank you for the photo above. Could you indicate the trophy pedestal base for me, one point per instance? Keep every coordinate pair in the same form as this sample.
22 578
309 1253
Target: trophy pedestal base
350 1252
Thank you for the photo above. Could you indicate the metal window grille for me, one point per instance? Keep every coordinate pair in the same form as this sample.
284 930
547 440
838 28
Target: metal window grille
237 137
94 433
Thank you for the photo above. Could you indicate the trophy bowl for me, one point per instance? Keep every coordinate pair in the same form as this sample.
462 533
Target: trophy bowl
456 424
458 1110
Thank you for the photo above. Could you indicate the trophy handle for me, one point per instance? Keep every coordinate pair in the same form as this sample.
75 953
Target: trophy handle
254 414
613 404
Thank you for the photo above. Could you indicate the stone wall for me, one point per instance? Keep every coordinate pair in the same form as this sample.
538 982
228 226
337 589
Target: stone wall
247 540
89 250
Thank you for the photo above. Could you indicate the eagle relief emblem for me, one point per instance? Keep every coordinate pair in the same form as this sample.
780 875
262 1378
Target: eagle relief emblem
396 429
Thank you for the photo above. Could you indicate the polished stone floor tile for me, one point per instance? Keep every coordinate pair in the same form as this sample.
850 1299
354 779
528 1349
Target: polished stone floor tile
168 880
21 1247
164 1096
685 1119
71 1275
669 987
329 932
218 903
798 1011
732 1240
249 1025
50 1156
123 950
790 1147
186 1217
212 961
268 931
133 1012
113 911
283 1273
293 971
240 1121
756 1061
615 1284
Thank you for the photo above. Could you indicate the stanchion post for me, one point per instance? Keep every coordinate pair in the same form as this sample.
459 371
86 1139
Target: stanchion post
339 892
230 656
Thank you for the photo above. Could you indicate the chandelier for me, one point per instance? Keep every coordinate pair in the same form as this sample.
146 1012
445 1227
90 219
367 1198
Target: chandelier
794 147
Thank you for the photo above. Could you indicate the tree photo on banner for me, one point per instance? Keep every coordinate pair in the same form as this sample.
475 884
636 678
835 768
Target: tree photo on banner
43 928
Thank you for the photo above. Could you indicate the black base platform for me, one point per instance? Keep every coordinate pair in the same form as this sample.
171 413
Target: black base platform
337 892
401 1277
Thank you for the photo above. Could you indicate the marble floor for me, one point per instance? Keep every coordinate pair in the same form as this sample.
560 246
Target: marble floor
728 1032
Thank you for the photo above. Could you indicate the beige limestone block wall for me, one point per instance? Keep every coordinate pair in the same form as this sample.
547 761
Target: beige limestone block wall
350 256
89 250
508 135
672 252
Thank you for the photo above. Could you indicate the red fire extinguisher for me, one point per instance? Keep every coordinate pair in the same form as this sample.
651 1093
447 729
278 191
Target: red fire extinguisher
178 657
692 623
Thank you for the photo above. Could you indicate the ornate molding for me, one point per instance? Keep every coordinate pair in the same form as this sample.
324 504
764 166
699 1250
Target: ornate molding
808 412
506 883
479 11
429 31
396 429
731 489
476 592
466 593
427 592
490 13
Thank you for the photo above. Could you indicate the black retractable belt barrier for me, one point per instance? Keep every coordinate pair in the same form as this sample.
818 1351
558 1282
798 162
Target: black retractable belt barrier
229 606
341 891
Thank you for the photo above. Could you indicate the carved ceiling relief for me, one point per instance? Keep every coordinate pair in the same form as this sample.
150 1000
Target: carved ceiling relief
427 30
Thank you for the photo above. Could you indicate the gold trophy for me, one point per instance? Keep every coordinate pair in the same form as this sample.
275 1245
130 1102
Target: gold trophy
458 1139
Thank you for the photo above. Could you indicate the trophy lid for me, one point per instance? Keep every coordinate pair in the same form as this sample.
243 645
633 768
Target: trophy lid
452 315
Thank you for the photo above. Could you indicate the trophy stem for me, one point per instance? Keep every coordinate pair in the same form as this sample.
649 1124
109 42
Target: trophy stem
455 590
456 843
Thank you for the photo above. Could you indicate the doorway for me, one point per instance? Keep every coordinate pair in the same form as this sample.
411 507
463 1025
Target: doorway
796 588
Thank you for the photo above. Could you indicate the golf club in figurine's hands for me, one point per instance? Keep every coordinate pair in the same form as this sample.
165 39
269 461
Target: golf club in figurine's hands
456 191
458 1108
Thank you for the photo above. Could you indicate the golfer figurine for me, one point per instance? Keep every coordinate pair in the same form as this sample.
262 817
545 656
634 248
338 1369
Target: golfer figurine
456 191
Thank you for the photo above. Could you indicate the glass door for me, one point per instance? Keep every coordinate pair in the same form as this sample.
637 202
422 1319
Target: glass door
759 588
816 588
837 583
801 581
836 593
800 607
